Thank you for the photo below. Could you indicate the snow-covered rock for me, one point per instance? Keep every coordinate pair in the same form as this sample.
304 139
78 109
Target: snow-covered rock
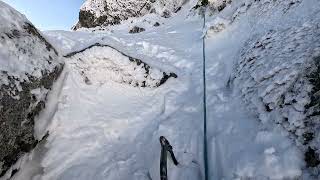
28 67
95 13
99 64
278 77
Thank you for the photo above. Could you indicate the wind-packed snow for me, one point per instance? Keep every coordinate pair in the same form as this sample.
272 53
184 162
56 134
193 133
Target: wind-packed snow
110 130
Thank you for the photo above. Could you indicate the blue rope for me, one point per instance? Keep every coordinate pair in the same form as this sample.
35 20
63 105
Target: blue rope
205 153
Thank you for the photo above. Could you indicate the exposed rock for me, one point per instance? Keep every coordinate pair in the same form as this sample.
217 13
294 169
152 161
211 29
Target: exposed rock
312 158
28 67
136 29
95 13
278 78
166 14
115 66
156 24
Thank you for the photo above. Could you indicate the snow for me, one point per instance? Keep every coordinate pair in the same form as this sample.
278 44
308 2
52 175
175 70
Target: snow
114 128
110 130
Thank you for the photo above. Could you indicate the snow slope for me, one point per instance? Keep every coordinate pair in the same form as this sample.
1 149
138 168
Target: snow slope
113 128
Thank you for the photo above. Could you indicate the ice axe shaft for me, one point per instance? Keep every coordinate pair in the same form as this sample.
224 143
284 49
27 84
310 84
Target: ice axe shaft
165 148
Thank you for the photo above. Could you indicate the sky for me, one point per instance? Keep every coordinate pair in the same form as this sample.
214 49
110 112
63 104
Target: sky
49 14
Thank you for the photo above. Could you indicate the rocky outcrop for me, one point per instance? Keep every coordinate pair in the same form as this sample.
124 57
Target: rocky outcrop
102 63
29 65
136 29
95 13
278 77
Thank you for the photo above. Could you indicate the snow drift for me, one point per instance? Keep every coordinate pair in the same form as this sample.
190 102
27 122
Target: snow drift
28 67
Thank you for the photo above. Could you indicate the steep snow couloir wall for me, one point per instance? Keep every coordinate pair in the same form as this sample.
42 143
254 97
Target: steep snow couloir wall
28 67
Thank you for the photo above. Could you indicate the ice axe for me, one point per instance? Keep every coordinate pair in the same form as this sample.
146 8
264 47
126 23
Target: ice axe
165 148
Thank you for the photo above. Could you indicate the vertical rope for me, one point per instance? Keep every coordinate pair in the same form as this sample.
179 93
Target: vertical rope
205 147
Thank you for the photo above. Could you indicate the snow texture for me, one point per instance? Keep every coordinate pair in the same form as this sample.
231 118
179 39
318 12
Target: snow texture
273 46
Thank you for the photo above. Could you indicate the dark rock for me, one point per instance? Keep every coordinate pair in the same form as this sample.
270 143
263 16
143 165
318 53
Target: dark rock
204 2
311 158
177 10
136 29
166 14
18 104
156 24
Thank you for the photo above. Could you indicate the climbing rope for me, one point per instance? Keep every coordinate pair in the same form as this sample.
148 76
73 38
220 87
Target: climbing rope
165 145
205 151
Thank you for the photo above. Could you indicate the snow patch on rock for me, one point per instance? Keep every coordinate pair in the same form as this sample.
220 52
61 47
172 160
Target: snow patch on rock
99 64
272 77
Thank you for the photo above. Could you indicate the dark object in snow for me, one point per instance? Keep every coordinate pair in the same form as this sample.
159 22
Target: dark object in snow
165 148
204 2
312 158
177 10
166 14
156 24
136 29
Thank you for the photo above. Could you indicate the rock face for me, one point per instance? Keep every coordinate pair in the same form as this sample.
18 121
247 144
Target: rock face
278 76
28 67
95 13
